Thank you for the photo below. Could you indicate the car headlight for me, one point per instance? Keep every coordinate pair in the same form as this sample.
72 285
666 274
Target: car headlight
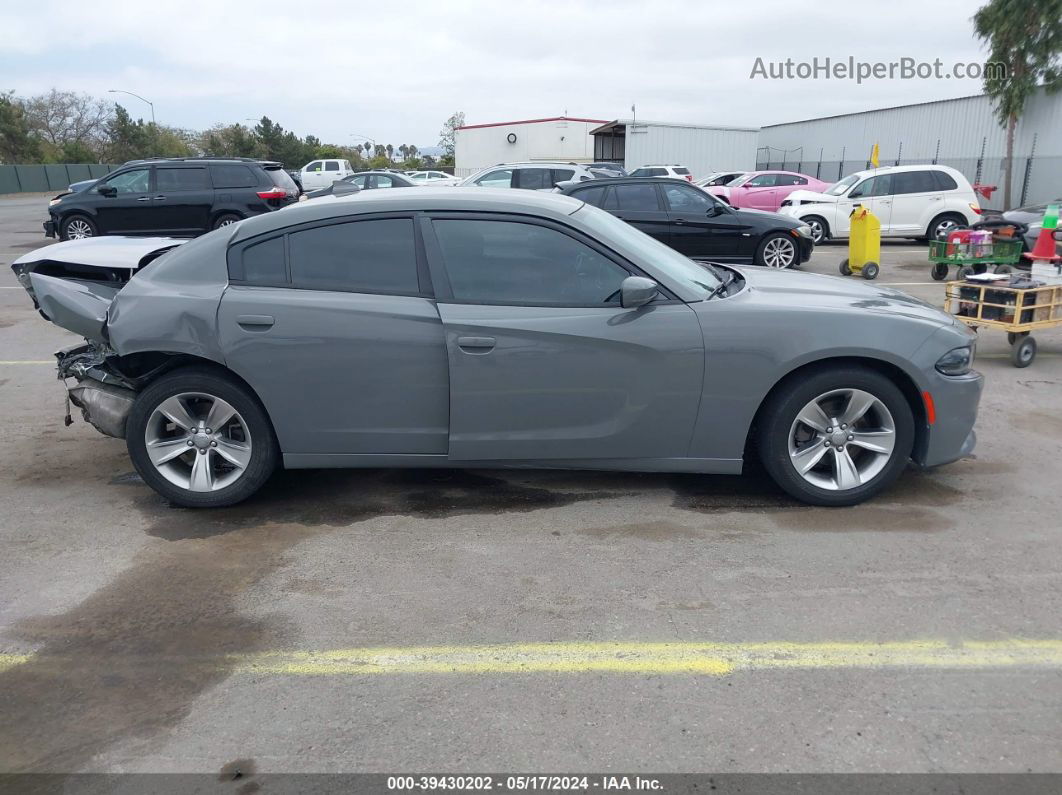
803 230
54 202
957 361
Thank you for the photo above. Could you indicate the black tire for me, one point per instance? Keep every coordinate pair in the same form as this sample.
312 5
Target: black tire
1014 336
844 268
964 271
225 219
1003 269
264 454
939 272
781 239
1023 353
779 414
952 221
870 270
77 227
820 230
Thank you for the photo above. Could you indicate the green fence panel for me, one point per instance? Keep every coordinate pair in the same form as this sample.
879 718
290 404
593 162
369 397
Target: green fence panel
32 179
98 170
48 178
56 176
76 172
9 180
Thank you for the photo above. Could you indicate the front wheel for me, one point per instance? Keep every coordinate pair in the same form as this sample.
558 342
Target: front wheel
200 439
77 227
778 250
836 437
819 229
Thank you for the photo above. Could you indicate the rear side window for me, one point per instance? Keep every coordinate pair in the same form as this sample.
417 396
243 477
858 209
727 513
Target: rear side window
562 175
234 176
331 165
359 256
636 198
177 179
532 178
263 263
682 171
944 181
592 195
914 182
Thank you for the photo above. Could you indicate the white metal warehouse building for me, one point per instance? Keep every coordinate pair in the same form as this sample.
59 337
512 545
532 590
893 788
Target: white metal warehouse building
560 139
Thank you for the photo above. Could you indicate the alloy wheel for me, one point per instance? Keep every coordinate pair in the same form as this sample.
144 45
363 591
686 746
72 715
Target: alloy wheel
779 252
818 233
198 442
943 228
842 439
78 229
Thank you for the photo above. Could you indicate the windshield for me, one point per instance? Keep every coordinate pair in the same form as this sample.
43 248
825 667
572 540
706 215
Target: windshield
690 274
837 188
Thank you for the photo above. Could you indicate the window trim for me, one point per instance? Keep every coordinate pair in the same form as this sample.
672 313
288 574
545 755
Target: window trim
234 261
441 279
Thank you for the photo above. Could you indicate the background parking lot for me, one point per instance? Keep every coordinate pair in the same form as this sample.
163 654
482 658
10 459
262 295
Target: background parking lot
500 620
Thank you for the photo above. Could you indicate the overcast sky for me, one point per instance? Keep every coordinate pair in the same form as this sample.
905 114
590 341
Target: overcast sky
396 71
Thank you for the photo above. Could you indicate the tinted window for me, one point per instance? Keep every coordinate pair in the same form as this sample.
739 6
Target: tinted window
135 181
562 174
233 177
514 263
263 263
331 165
640 198
687 200
176 179
914 182
533 178
651 172
592 195
789 179
944 181
682 171
360 256
496 179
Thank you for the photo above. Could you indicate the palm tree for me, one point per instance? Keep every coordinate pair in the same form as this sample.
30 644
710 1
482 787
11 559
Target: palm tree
367 147
404 151
411 150
390 152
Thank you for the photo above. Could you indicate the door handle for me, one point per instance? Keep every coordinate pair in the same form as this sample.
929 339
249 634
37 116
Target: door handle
144 199
159 198
678 222
476 344
255 322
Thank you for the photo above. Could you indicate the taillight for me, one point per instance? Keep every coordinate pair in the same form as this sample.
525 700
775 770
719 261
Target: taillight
273 193
976 208
689 178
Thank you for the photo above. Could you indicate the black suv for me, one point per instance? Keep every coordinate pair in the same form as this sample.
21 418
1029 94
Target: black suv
697 224
171 196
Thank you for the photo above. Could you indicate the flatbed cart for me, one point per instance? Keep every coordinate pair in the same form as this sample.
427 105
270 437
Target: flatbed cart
970 258
1015 310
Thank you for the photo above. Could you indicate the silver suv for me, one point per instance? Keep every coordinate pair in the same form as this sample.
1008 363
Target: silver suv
530 176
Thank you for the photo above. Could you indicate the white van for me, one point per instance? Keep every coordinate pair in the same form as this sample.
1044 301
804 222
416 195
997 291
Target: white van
910 201
322 173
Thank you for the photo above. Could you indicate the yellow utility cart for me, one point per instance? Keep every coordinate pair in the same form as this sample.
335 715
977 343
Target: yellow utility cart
1016 310
864 244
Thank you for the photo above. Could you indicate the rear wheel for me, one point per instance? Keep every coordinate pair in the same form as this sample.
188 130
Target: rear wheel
942 225
837 436
777 250
77 227
225 220
200 439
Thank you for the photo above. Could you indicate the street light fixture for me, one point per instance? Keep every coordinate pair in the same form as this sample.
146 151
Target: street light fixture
130 93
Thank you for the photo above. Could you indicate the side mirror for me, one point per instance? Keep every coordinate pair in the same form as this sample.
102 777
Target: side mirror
637 291
341 188
107 190
716 209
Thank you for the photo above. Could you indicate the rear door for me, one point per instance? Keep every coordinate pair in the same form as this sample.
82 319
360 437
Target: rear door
545 365
184 198
640 205
916 199
334 327
131 207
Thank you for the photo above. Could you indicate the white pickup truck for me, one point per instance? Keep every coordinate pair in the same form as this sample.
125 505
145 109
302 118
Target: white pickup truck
322 173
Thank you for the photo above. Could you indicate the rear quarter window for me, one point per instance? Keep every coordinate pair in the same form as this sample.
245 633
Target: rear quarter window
234 176
261 263
944 181
682 171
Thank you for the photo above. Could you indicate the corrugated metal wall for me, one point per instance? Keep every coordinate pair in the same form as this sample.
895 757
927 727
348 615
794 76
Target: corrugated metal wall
40 179
700 149
955 132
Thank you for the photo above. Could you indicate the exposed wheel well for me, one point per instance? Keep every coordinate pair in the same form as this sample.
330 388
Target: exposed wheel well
892 372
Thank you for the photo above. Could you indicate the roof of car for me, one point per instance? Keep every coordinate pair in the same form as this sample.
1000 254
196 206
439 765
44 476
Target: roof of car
500 200
191 161
669 181
915 167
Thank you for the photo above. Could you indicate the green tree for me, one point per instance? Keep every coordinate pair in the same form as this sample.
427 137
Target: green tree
404 151
1025 37
17 142
126 139
233 140
448 134
390 152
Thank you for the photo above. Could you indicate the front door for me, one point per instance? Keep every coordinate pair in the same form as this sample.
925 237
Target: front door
703 228
876 195
640 205
335 331
545 365
128 205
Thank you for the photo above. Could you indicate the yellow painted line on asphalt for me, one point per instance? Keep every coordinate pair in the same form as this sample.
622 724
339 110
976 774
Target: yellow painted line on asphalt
26 361
706 659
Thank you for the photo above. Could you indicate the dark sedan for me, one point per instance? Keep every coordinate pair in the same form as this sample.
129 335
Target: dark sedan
365 180
697 224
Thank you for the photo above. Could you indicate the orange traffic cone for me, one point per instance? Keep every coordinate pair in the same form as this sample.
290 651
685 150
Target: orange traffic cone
1044 250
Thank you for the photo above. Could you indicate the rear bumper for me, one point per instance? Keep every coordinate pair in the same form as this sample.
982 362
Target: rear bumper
952 436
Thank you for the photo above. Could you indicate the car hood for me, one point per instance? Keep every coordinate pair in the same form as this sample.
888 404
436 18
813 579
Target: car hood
811 196
817 291
100 252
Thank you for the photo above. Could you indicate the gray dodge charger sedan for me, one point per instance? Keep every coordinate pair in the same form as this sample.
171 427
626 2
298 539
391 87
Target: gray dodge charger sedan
480 328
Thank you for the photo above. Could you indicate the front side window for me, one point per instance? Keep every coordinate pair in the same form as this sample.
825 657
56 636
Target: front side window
361 180
502 178
377 256
687 200
178 179
880 185
506 262
314 166
135 181
762 181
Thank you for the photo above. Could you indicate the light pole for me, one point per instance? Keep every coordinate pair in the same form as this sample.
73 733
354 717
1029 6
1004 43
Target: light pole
367 138
130 93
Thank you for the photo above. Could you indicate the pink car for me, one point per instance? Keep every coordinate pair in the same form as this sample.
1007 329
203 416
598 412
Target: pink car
765 190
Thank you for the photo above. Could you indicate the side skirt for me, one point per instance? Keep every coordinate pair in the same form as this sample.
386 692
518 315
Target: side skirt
713 466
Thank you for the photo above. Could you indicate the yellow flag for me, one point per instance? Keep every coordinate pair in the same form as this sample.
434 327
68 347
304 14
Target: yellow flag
874 156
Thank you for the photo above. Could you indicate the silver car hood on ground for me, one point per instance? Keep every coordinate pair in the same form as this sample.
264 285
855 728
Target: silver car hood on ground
794 287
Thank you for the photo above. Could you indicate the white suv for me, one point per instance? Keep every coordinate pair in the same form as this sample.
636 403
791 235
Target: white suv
530 176
658 170
910 201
